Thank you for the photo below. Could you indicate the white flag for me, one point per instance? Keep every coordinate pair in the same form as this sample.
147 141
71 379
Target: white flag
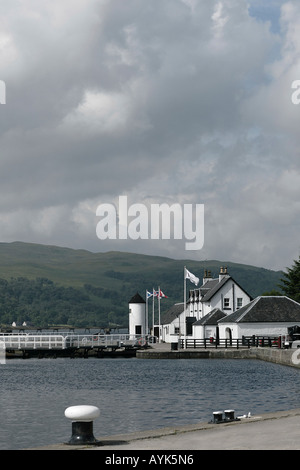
194 279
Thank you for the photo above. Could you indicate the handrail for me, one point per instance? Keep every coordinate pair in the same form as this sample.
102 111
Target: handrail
245 342
105 341
45 341
34 342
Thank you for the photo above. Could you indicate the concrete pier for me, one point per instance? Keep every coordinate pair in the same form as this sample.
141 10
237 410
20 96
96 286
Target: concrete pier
270 431
288 357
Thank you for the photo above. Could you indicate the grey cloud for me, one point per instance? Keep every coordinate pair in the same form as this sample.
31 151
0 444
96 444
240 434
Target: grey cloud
166 100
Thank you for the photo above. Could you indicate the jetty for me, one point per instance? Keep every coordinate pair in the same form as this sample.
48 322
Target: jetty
27 345
287 357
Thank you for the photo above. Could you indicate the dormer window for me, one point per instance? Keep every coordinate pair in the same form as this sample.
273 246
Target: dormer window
226 303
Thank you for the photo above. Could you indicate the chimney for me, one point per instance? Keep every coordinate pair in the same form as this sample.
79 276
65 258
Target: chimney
223 273
207 276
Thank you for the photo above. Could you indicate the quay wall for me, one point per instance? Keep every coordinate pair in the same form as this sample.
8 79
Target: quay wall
288 357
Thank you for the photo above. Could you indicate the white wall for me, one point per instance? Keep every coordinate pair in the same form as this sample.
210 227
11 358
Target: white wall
137 317
230 290
168 331
258 329
204 331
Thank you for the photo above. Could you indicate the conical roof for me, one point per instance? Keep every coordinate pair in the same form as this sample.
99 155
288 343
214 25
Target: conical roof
137 299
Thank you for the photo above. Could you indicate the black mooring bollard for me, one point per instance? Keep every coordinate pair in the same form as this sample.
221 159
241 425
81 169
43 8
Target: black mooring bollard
217 416
82 424
229 415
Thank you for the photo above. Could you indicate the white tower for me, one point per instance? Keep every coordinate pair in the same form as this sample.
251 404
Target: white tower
137 315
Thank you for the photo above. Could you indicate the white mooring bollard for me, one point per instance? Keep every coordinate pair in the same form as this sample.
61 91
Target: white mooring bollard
82 417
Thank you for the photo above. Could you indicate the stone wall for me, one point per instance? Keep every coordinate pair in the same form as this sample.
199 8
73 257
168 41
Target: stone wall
288 357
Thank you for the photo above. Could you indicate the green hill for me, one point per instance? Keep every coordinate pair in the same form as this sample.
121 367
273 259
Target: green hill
46 285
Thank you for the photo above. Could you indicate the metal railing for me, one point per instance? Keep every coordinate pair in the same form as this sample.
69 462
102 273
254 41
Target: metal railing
205 343
55 341
244 342
33 341
106 341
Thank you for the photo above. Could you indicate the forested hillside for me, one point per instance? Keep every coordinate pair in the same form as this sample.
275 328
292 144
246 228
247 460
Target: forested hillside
48 285
41 302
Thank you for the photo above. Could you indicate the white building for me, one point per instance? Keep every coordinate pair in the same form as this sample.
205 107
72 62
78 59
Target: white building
263 316
207 326
137 315
172 323
222 293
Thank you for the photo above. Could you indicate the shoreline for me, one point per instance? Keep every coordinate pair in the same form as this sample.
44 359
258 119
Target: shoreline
269 431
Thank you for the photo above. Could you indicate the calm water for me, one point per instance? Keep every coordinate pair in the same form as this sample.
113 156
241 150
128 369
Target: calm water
134 394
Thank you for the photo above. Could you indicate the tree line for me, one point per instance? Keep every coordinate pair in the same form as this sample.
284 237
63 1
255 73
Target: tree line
40 302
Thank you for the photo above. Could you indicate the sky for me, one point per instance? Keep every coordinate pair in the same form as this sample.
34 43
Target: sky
162 101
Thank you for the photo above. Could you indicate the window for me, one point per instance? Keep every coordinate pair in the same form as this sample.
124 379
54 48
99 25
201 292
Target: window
138 329
177 330
239 302
226 303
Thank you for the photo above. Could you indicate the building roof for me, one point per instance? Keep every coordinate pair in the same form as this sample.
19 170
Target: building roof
212 286
208 285
172 313
137 299
211 318
266 309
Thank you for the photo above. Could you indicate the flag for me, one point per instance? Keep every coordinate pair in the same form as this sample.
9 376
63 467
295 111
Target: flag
194 279
155 293
149 294
161 294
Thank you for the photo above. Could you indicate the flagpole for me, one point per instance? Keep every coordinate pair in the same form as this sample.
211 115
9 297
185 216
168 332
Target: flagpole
153 311
146 332
194 279
184 315
159 314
